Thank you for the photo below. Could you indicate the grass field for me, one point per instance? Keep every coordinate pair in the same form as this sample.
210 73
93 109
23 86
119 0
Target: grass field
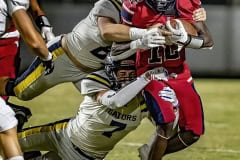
221 141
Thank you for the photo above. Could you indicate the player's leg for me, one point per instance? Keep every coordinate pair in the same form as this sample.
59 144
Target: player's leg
181 141
34 82
8 133
162 110
9 64
191 121
9 143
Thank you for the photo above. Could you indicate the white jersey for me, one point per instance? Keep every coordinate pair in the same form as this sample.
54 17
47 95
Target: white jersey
7 8
85 41
97 128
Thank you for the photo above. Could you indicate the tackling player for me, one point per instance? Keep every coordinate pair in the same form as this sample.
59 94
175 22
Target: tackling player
112 107
81 51
147 13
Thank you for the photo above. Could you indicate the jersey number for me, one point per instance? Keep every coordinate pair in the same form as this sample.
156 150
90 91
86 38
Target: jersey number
168 54
101 52
120 126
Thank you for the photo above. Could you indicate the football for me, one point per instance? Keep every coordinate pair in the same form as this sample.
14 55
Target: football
187 25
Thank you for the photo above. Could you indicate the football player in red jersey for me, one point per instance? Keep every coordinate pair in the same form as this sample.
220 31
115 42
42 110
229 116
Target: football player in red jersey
144 14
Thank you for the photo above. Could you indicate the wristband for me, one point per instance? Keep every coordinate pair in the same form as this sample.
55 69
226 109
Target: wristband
42 21
136 33
49 57
194 42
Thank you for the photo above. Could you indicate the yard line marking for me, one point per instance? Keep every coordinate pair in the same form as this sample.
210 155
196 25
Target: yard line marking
219 150
132 144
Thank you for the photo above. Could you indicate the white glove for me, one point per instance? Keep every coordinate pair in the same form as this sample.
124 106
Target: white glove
47 33
150 40
169 95
180 35
158 73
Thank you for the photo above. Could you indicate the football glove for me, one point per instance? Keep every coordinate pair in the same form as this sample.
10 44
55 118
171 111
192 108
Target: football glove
180 35
169 95
45 27
47 33
150 40
48 64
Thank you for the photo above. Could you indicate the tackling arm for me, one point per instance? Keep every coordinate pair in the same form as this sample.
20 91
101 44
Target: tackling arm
115 99
111 31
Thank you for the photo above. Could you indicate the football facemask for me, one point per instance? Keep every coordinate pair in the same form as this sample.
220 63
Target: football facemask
160 6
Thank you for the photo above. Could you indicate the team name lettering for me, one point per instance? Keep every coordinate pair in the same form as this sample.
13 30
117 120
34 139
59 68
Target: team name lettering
121 116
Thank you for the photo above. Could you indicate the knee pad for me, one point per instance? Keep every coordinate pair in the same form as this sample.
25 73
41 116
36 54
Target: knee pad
188 137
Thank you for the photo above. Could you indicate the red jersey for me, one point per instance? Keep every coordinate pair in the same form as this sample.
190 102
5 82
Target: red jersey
139 14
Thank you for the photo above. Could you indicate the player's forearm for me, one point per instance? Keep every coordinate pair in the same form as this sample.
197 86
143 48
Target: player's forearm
29 34
122 97
115 33
204 33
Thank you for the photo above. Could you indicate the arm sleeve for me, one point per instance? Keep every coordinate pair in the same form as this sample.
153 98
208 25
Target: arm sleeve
14 5
114 99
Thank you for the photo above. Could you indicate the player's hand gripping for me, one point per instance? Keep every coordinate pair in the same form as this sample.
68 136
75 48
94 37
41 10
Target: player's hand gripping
46 28
48 64
158 73
151 39
47 33
199 14
169 95
179 35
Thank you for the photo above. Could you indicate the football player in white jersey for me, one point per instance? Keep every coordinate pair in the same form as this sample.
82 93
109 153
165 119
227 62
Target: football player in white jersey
83 50
112 107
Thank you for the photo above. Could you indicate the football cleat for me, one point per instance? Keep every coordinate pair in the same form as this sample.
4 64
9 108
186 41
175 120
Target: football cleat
21 113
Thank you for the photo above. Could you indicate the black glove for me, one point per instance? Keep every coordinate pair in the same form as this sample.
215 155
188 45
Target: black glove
48 65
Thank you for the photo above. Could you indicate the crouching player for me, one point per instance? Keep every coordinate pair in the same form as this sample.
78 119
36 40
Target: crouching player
112 107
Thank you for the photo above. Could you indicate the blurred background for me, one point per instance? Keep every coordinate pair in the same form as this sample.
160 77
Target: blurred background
222 19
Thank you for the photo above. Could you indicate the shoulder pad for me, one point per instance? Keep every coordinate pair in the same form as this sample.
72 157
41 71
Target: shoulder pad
95 82
107 8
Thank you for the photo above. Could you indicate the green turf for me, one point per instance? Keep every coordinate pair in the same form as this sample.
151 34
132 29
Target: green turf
221 141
